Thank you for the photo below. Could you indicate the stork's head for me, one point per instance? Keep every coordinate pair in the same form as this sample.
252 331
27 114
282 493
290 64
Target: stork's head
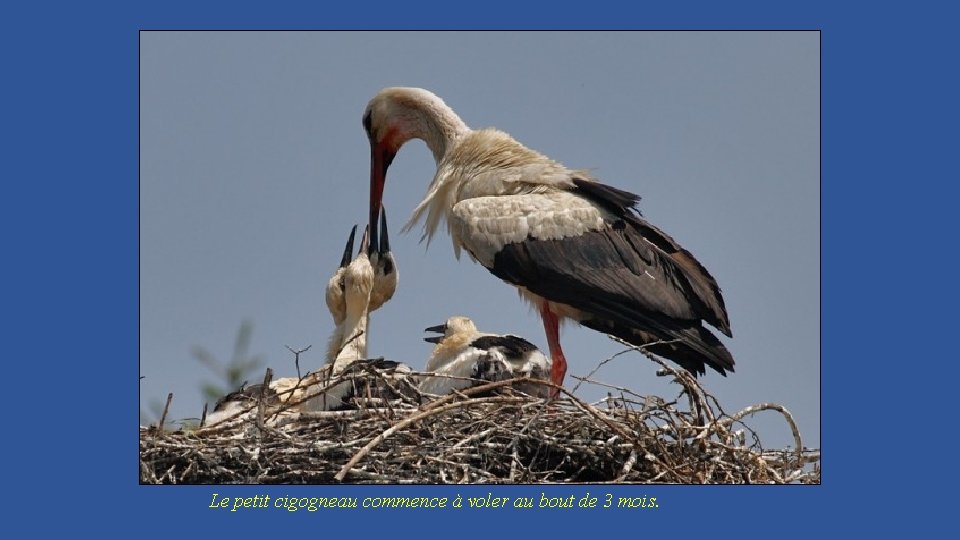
457 332
393 117
454 326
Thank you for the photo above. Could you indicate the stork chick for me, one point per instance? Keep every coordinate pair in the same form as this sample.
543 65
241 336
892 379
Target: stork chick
359 287
464 352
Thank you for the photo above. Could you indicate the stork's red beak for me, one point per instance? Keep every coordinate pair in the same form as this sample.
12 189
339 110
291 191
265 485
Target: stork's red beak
380 158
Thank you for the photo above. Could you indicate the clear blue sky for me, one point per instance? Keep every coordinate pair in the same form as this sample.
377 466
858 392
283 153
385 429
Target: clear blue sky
254 166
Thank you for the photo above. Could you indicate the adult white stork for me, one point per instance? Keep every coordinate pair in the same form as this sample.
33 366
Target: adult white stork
574 247
462 352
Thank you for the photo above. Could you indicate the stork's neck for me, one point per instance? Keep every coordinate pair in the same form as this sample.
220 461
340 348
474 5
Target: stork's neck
447 349
335 344
353 345
440 128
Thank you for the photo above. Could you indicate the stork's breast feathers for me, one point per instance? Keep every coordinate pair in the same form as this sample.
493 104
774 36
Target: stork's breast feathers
483 225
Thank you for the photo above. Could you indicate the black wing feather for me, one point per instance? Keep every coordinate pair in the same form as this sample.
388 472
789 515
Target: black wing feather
512 346
706 296
634 281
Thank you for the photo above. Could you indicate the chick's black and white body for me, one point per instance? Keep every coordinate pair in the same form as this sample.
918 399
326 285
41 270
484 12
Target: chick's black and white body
463 353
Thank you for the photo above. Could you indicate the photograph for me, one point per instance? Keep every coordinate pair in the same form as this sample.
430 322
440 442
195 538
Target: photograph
479 257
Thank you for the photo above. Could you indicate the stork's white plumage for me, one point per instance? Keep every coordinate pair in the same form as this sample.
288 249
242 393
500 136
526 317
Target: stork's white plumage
574 247
464 353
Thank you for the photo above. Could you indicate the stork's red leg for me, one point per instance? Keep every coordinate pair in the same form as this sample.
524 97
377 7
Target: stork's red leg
552 327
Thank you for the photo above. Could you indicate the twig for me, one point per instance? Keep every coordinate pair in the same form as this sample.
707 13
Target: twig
349 341
604 362
782 410
262 400
628 466
163 417
296 357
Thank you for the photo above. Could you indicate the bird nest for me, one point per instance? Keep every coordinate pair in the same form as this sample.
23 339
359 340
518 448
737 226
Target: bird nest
489 433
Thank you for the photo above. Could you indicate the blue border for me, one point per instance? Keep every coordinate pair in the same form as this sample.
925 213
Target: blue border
71 282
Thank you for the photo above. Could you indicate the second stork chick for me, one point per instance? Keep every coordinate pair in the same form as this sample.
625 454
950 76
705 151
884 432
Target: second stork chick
462 352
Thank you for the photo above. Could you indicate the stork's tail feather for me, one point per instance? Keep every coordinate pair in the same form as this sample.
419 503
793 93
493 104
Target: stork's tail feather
693 348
